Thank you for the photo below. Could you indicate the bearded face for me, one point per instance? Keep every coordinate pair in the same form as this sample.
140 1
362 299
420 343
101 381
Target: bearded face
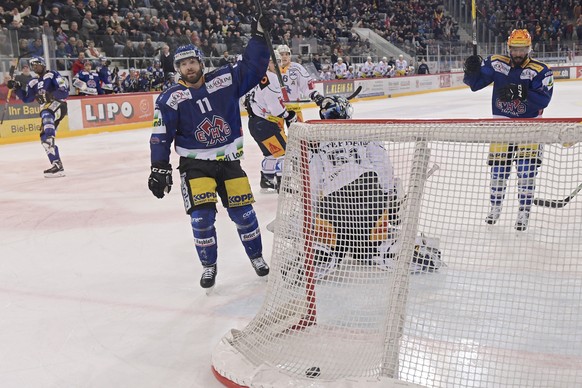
191 70
518 54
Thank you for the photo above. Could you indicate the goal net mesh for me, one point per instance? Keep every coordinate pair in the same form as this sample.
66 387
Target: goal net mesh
395 275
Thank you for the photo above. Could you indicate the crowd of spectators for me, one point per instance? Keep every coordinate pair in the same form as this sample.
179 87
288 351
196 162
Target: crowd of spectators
550 22
138 29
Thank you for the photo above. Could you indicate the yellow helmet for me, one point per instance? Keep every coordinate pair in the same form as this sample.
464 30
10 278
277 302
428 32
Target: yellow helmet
519 38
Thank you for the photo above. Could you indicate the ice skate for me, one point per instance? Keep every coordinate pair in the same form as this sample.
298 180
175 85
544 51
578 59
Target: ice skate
260 267
55 171
268 186
522 220
208 277
493 215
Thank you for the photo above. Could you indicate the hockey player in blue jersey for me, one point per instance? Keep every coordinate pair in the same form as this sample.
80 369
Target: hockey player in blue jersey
522 88
201 115
87 81
50 90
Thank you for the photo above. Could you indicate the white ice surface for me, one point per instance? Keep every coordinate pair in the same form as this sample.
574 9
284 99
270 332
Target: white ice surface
99 279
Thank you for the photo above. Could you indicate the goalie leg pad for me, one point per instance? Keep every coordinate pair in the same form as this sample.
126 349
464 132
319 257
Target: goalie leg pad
325 260
248 229
527 169
202 219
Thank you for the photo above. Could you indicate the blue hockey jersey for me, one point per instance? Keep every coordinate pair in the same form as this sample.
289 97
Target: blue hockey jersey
205 123
51 83
536 76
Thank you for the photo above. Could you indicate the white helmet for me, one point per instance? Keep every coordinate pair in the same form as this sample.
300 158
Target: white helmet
283 48
277 56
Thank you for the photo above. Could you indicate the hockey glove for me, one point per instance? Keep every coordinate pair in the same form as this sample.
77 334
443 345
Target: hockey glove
264 24
316 97
13 84
290 117
42 97
160 180
473 65
512 92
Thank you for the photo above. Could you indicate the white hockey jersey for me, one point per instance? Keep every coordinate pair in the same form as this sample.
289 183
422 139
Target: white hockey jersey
337 164
367 69
266 99
298 81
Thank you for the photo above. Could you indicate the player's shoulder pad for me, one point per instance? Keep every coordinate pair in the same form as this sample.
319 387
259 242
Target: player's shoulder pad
536 65
297 67
173 96
49 75
218 79
502 58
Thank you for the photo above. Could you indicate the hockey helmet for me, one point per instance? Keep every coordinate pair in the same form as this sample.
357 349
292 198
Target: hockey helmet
519 38
334 108
277 56
187 51
36 60
283 48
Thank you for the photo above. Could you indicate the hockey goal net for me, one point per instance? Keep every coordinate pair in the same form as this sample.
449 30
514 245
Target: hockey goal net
371 289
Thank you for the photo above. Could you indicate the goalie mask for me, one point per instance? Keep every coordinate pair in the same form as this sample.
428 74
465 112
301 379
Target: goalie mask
334 108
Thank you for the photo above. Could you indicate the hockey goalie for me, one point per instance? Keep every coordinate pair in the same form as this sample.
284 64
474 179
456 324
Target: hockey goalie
357 202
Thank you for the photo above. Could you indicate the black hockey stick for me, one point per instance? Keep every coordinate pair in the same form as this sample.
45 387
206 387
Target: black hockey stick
267 36
11 74
350 97
557 203
474 25
355 93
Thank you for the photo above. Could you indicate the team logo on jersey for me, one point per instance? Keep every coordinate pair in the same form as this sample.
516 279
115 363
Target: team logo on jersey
213 132
177 97
528 74
218 83
513 108
500 67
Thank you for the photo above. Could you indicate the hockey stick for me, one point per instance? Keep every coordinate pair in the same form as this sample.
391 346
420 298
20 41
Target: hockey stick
557 203
350 97
11 74
355 93
267 36
271 225
474 25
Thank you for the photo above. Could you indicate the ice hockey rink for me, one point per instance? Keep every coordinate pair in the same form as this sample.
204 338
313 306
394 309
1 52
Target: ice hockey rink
99 279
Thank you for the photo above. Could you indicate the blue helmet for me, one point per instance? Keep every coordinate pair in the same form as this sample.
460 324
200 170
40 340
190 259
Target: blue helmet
187 51
36 60
334 108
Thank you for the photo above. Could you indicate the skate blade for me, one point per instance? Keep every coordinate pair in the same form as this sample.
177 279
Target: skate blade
55 175
268 191
209 291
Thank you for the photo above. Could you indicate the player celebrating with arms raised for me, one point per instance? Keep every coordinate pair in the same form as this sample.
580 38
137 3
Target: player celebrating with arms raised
202 115
522 88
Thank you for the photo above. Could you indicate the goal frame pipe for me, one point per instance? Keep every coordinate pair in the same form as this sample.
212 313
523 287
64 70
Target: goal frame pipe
394 328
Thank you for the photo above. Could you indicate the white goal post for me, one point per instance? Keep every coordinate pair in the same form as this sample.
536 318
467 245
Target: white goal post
396 280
